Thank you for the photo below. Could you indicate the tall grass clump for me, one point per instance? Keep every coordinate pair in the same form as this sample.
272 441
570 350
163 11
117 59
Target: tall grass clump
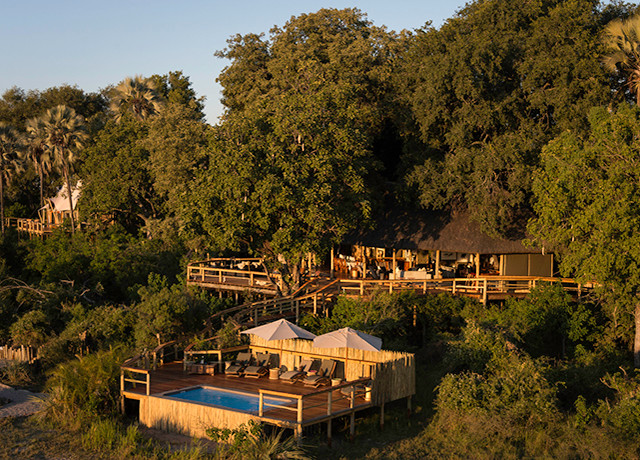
84 388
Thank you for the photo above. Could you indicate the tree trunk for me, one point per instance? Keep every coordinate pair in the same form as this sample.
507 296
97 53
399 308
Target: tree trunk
65 169
2 202
636 341
41 174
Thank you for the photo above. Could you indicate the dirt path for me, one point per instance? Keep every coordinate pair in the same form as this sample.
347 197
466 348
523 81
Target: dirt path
22 403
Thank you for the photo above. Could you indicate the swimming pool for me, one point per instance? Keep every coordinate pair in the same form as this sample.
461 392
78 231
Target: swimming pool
245 402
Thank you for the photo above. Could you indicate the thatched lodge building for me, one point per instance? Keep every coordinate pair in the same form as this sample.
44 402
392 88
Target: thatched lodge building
422 245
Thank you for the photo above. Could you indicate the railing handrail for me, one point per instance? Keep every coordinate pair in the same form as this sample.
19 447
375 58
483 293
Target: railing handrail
230 259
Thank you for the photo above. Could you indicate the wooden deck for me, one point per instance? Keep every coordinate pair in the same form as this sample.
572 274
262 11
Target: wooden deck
310 405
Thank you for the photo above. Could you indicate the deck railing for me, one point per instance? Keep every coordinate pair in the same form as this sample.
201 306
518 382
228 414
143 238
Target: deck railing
31 226
249 279
483 287
329 403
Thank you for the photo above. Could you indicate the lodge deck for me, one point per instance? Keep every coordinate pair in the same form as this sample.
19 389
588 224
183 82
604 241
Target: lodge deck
320 404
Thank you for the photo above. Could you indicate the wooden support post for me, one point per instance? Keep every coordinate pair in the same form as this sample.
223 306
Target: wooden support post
352 425
297 311
332 264
361 287
329 402
436 273
315 304
453 289
382 416
261 405
409 406
122 392
148 383
299 422
329 432
393 264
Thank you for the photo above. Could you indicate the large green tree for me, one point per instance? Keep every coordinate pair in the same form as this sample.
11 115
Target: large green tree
587 201
288 167
489 89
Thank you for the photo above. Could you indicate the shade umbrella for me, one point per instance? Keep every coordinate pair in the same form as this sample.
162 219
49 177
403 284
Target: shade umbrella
280 330
348 338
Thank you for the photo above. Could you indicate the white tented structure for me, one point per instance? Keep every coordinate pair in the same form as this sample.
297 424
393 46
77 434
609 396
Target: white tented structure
56 209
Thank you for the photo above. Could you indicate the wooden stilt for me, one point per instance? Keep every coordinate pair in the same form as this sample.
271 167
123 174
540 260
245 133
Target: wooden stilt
409 406
352 426
382 416
329 432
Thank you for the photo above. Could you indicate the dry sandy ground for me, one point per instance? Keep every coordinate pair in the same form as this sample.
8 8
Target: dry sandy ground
22 403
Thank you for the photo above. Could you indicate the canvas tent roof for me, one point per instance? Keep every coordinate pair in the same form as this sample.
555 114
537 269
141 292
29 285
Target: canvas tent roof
448 232
60 202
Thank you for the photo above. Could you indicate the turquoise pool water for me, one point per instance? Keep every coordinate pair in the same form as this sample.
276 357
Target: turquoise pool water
230 399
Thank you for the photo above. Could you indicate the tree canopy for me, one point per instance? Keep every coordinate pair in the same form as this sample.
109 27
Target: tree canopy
488 89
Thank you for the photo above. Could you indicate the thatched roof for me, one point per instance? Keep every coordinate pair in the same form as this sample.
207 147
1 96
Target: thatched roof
456 232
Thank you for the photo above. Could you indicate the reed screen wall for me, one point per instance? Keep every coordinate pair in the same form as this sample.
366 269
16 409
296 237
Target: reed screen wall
393 372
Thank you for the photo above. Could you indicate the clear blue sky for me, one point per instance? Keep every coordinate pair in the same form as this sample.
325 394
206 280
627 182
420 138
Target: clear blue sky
96 43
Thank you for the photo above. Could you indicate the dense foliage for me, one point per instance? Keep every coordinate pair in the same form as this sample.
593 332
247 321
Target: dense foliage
517 112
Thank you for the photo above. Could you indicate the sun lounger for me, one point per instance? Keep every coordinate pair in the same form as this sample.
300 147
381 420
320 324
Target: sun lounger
260 369
301 372
241 362
324 375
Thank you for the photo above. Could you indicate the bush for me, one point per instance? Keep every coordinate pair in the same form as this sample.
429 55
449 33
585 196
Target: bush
85 387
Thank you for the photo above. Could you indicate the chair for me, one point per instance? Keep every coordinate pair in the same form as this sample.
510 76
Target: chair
241 362
301 372
324 375
260 369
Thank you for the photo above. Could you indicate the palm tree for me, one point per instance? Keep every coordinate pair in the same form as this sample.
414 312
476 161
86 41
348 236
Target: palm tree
37 152
65 133
137 95
9 161
622 38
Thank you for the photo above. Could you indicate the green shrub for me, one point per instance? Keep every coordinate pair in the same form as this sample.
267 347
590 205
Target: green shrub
85 387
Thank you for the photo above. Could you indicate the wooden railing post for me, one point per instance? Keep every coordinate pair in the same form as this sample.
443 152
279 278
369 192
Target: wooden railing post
148 384
261 405
454 287
484 293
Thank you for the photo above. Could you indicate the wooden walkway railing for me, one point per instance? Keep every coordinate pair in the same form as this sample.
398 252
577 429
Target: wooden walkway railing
232 279
483 288
30 226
